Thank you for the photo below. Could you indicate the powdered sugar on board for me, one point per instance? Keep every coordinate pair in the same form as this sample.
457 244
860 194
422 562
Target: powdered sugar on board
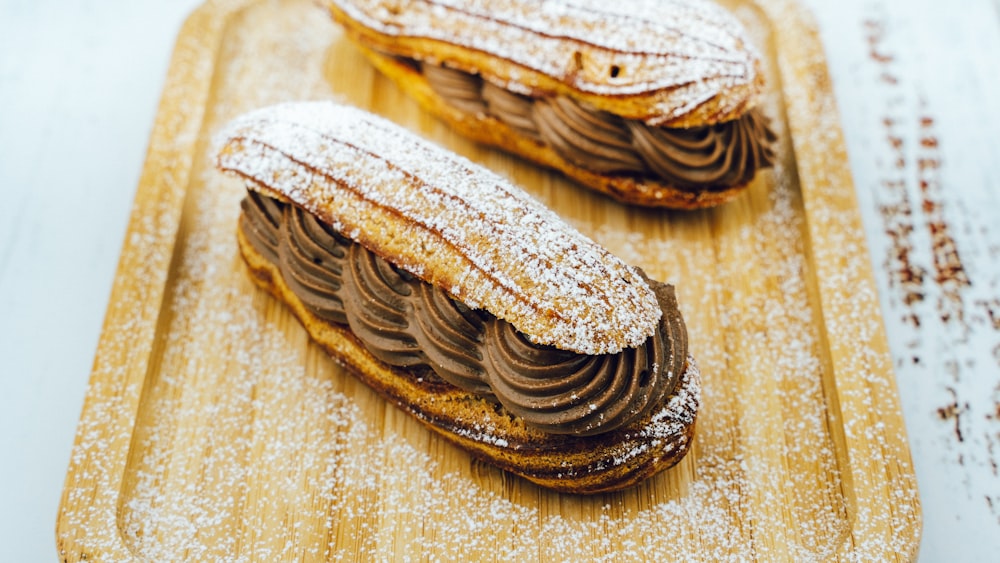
928 194
250 444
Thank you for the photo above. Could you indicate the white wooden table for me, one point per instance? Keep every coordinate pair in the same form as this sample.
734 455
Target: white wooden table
917 83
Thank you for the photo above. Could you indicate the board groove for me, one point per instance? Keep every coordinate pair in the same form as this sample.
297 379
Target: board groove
213 429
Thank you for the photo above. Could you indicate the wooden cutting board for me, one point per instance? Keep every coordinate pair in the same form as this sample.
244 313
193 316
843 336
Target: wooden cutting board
214 430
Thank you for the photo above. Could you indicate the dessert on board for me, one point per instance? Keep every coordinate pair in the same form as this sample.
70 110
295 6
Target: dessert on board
462 300
654 103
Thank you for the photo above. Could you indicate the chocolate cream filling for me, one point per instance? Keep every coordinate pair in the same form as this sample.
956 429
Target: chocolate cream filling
716 157
406 322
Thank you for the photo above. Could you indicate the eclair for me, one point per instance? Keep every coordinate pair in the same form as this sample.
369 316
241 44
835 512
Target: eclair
462 300
654 103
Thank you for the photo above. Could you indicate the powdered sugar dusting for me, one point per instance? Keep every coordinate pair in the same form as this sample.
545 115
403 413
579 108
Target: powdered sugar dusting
451 222
686 51
855 348
250 444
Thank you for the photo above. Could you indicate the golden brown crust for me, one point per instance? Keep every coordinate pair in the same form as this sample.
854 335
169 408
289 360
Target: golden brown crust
680 63
446 220
488 130
568 464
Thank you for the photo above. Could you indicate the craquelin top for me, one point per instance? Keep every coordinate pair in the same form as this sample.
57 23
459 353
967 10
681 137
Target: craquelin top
446 220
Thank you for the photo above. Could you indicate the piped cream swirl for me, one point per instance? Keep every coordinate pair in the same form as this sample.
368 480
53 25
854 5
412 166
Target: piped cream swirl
406 322
716 156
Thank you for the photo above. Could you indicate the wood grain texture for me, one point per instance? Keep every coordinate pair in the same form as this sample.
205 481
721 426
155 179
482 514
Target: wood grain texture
923 140
213 429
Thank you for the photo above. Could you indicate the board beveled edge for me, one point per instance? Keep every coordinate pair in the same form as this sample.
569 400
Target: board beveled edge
87 523
87 527
882 500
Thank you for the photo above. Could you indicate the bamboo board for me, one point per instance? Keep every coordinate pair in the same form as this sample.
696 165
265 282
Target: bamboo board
213 430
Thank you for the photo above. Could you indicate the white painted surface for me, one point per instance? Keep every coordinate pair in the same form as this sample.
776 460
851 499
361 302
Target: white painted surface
79 85
917 84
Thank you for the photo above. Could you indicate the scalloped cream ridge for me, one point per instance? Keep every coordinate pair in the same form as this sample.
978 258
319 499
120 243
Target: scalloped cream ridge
677 63
447 221
410 324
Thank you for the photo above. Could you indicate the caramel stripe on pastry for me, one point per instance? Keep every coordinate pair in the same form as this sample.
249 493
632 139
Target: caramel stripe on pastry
446 220
662 61
406 322
712 156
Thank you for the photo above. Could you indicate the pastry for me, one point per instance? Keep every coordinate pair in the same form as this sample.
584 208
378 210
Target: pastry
462 300
654 103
